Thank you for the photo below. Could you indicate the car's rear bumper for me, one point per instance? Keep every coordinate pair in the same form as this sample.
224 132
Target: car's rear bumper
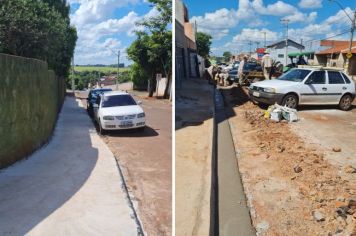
267 98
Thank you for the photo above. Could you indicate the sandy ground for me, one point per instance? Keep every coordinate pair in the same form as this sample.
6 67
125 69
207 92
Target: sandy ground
294 186
194 127
146 159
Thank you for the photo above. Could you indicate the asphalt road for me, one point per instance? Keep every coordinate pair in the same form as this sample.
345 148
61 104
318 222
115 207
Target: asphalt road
146 160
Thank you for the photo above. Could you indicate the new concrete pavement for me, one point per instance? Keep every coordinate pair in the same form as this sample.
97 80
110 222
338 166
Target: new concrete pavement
69 187
234 216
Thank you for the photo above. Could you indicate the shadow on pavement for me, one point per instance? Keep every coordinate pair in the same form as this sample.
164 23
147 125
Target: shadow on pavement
133 133
33 189
321 107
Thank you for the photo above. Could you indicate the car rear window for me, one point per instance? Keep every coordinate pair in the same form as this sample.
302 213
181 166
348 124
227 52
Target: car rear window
346 78
335 78
317 77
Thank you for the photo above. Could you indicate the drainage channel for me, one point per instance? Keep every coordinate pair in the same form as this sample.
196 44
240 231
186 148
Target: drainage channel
229 212
140 231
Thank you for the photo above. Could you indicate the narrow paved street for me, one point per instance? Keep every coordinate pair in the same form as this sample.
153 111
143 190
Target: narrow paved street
146 161
69 187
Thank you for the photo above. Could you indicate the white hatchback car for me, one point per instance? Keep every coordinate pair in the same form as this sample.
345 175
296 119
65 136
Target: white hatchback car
306 86
118 110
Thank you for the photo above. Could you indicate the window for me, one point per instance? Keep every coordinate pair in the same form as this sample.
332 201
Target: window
346 78
317 77
335 78
280 55
118 100
295 75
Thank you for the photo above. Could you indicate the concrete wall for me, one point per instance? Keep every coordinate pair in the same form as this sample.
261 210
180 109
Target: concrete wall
30 98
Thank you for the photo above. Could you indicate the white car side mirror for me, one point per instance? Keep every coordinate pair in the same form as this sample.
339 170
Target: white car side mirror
139 102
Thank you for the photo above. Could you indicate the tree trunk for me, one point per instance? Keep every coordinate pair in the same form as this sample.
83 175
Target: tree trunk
166 91
150 88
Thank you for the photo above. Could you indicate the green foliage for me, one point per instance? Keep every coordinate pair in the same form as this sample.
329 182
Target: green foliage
203 44
227 56
152 50
139 77
38 29
83 78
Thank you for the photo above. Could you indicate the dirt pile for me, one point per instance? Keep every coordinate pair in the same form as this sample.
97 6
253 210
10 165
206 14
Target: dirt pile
291 188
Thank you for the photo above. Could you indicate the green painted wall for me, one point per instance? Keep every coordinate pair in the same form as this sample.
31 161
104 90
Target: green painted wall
30 99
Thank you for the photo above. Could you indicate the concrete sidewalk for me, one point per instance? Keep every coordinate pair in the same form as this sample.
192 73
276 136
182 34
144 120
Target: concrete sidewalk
194 126
70 187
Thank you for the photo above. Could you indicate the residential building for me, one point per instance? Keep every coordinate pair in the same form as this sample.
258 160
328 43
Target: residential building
278 50
187 63
334 54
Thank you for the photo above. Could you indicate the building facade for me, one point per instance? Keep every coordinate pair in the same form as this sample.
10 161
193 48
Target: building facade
278 50
187 63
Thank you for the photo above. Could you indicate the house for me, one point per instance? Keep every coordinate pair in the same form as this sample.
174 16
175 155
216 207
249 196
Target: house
278 50
187 63
334 54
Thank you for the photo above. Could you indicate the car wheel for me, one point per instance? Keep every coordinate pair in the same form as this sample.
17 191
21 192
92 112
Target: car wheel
345 102
290 101
101 130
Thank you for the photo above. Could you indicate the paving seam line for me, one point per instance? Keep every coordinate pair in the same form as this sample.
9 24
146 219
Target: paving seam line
140 231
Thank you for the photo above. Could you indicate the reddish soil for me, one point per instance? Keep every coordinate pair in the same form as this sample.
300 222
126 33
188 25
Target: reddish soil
291 188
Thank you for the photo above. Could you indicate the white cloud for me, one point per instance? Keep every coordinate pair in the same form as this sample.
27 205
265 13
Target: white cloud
91 11
94 38
255 35
216 23
219 22
310 3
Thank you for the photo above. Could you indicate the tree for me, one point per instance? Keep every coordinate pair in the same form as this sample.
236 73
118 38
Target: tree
152 50
227 56
38 29
203 44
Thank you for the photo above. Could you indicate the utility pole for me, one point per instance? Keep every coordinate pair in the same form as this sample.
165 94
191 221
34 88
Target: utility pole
250 43
265 33
351 39
347 64
73 84
118 69
286 22
301 42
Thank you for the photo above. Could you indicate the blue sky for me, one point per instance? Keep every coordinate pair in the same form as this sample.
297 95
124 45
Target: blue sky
104 24
234 23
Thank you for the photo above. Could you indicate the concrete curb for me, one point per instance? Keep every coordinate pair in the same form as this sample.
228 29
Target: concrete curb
140 231
214 195
227 217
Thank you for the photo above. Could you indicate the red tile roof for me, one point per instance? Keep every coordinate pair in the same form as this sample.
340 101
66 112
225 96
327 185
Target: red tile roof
336 47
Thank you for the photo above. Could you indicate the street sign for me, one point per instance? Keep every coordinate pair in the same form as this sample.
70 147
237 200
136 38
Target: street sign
349 55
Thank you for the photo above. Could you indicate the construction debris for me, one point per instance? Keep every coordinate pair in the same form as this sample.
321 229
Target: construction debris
281 113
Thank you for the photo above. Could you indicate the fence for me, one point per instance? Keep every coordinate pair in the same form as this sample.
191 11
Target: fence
30 99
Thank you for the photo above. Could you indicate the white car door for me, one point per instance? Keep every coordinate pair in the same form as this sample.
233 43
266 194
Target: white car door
313 90
336 86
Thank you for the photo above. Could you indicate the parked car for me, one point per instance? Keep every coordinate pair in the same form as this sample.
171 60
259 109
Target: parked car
306 85
118 110
233 76
248 67
92 97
